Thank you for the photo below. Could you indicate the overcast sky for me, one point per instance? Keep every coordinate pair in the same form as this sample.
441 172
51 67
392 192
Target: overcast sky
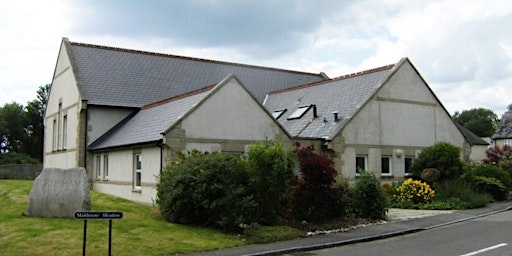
463 48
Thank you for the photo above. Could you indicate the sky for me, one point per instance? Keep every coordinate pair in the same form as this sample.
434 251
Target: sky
463 49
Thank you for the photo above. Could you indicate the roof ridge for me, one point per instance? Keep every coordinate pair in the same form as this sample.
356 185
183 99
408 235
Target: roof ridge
355 74
177 97
188 58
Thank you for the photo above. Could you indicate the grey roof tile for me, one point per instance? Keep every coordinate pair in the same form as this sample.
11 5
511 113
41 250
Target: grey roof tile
343 95
504 130
120 77
147 125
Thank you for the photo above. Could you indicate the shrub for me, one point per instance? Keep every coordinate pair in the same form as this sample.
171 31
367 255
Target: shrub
414 192
313 197
369 199
448 190
442 156
430 175
496 155
454 203
206 189
271 174
491 179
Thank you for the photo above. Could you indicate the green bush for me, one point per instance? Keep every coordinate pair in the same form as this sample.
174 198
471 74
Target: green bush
369 201
449 190
443 157
271 174
207 189
490 179
454 203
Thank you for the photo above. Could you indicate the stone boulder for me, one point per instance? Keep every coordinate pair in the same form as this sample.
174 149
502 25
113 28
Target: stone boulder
59 193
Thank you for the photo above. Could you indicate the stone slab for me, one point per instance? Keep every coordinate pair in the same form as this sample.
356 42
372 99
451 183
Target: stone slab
59 193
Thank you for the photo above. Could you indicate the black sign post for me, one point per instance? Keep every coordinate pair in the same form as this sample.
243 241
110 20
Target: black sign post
98 216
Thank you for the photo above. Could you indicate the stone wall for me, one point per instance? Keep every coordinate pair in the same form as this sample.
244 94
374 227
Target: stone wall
20 171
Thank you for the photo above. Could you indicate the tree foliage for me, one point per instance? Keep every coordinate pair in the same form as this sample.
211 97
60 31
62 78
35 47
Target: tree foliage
314 198
480 121
442 156
21 128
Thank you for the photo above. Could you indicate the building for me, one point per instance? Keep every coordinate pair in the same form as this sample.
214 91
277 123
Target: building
124 114
503 135
377 120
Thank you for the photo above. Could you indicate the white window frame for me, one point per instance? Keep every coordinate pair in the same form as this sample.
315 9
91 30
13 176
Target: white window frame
278 113
105 167
406 173
389 164
365 163
98 167
507 142
54 139
137 171
65 132
59 129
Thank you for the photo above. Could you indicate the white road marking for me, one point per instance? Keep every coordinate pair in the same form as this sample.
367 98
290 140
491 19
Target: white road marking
484 250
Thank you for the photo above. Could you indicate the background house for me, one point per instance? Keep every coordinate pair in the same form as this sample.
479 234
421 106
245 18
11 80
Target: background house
377 120
503 135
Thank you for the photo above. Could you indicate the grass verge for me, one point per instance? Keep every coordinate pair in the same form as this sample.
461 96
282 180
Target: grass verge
142 231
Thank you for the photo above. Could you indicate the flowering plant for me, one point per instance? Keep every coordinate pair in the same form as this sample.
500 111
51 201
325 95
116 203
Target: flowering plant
414 191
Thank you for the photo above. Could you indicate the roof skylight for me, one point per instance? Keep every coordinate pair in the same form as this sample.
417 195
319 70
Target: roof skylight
278 113
299 112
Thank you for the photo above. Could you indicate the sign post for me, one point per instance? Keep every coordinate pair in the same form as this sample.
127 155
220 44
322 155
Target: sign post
98 216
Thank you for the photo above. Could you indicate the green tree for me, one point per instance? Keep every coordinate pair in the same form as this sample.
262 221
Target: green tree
12 131
480 121
34 118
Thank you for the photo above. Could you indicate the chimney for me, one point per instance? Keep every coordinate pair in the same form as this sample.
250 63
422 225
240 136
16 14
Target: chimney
335 113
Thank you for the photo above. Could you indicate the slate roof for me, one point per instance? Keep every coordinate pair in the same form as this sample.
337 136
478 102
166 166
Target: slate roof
472 138
504 130
128 78
147 125
344 95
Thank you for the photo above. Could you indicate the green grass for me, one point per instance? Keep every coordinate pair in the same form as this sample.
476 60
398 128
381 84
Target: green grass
141 231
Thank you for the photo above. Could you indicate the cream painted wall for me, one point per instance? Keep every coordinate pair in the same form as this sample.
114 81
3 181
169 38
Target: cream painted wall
403 115
102 119
120 174
231 113
64 91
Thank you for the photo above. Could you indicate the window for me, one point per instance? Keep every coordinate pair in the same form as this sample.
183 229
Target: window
105 167
65 132
386 166
98 167
278 113
299 112
59 126
137 165
408 163
54 140
507 142
361 163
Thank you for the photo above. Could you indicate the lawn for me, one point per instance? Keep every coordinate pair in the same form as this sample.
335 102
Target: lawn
141 231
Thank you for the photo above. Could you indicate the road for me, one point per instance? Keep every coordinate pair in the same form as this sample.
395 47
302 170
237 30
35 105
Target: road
487 236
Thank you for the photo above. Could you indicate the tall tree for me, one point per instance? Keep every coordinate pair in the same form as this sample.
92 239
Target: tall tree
34 118
13 123
480 121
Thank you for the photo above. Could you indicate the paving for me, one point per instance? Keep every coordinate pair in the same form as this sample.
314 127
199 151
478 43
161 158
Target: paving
399 222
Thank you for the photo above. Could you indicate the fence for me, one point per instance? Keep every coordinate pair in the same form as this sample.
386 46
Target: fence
20 171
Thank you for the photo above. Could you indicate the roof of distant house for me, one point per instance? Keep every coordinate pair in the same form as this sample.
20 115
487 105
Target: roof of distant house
129 78
472 138
504 130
